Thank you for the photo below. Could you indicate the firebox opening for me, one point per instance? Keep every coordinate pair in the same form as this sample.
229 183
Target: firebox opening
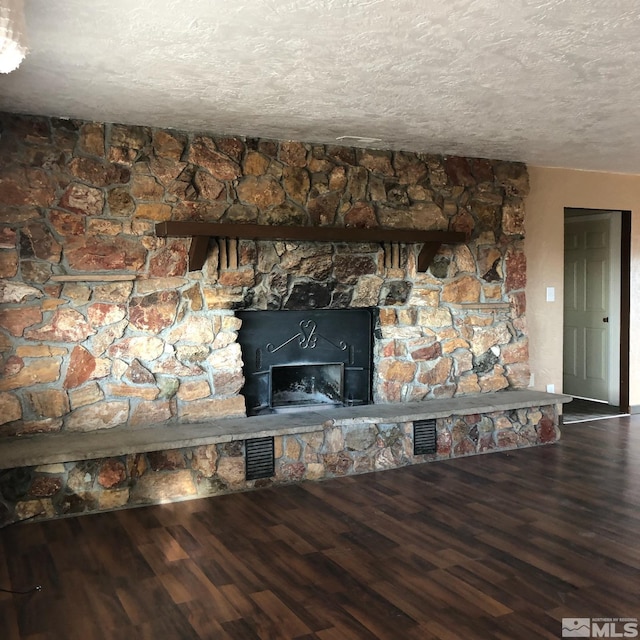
295 359
307 385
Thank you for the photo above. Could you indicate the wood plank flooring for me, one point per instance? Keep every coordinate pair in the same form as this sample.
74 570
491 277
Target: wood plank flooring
496 546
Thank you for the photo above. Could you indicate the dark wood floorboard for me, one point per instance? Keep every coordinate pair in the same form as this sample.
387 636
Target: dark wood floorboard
498 546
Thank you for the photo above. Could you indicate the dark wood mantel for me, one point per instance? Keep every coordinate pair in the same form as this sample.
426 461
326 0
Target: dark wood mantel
201 232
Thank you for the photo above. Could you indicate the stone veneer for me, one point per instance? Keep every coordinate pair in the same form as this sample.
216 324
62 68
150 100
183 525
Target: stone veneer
84 198
337 448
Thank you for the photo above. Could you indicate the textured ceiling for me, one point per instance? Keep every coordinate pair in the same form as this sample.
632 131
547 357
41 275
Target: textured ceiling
547 82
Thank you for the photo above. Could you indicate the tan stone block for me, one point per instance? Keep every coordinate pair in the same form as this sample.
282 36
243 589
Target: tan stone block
293 448
39 351
205 460
222 298
502 422
435 317
278 447
153 211
8 264
435 372
51 305
212 408
519 375
244 277
333 440
315 471
517 352
13 292
41 371
486 337
475 320
232 471
396 370
10 408
534 416
261 191
163 486
31 427
129 391
255 164
367 291
113 499
464 259
6 344
443 333
407 317
102 370
494 381
401 333
194 329
149 413
227 383
57 468
229 357
424 297
387 316
34 508
464 289
468 384
48 403
513 215
193 390
91 138
228 323
492 292
167 145
140 347
105 415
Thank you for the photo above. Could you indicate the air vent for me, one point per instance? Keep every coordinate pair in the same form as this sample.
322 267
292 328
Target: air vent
425 438
260 461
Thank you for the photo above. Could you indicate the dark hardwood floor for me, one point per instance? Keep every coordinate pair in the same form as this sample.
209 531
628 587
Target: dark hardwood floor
496 546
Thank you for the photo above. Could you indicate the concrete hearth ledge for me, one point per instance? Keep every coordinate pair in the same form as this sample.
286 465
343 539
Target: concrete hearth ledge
35 450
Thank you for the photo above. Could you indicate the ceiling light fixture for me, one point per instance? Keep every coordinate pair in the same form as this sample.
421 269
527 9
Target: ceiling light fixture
13 47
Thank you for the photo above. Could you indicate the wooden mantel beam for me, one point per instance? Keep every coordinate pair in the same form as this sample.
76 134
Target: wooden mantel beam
201 230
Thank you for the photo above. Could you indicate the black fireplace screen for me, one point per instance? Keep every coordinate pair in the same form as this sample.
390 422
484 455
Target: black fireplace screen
301 359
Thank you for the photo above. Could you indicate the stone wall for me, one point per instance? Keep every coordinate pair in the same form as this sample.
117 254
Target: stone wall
85 486
83 198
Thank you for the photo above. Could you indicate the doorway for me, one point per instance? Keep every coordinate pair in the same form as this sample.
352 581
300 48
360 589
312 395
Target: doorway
596 306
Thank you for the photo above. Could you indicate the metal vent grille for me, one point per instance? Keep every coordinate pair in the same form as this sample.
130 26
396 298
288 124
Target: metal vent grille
425 439
260 462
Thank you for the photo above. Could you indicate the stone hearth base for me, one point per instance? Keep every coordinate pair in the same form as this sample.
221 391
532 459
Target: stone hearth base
83 473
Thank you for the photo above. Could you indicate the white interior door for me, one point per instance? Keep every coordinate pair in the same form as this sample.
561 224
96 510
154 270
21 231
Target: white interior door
586 307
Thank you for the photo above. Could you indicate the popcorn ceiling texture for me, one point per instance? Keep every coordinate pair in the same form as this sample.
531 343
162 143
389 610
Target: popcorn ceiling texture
544 82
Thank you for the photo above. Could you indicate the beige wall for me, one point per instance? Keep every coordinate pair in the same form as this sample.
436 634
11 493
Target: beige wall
551 191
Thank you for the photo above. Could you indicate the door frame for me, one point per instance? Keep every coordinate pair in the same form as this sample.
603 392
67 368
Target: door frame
624 284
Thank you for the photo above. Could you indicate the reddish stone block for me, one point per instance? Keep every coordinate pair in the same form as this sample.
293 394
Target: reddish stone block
15 321
112 472
546 430
66 325
45 487
81 366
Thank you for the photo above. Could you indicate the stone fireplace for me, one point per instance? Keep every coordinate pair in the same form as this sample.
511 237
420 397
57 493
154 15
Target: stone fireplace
104 327
303 359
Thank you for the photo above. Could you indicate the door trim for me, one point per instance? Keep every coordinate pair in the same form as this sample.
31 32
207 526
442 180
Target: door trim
625 292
